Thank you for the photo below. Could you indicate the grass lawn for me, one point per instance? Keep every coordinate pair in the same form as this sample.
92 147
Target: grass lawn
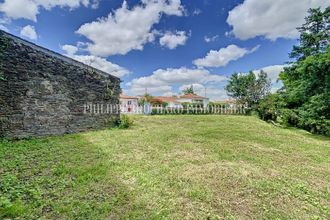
169 167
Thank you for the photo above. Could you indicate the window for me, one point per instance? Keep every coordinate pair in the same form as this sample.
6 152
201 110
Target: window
129 102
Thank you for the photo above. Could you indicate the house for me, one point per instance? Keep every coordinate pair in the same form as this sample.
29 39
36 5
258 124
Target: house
171 101
128 103
193 99
177 101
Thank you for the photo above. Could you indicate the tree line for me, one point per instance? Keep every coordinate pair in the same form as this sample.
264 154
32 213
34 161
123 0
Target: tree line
304 99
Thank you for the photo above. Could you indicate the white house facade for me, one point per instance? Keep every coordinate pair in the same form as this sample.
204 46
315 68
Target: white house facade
193 99
128 103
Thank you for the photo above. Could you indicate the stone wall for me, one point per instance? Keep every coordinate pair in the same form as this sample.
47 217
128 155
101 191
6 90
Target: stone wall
43 93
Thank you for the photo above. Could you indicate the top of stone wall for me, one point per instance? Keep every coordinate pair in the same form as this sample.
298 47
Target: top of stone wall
55 54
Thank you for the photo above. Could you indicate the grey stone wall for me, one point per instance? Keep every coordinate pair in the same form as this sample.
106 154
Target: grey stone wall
43 93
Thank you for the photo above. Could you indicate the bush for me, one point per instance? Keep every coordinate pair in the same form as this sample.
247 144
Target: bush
268 108
125 122
308 121
288 117
312 116
316 126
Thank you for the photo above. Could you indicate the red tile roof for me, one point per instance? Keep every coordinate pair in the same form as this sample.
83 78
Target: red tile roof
192 96
166 99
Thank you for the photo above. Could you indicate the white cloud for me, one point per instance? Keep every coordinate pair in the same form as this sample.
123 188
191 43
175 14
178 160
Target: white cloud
211 39
102 64
211 92
196 12
228 34
95 4
95 61
216 94
29 32
162 80
223 56
198 88
127 29
273 73
269 18
3 22
2 27
172 40
177 76
151 90
70 49
29 9
169 94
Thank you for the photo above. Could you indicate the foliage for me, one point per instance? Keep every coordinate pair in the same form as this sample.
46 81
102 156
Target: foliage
304 101
314 34
146 171
191 105
307 78
125 122
307 81
145 98
109 90
268 107
314 115
157 101
248 88
189 90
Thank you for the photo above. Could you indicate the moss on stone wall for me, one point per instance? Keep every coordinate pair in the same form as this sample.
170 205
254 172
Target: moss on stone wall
3 48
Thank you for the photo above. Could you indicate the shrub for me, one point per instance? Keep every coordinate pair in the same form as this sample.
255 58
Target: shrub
125 122
288 117
268 108
298 118
308 121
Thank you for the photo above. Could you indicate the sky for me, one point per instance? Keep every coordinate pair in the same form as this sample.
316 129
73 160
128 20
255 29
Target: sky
164 46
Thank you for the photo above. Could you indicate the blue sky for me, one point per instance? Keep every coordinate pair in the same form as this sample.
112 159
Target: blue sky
164 45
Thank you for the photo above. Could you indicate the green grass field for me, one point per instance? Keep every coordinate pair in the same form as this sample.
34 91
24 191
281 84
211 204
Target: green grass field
191 167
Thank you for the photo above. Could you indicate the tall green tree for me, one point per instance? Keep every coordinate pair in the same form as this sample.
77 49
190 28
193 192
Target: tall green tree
248 88
309 74
306 90
314 34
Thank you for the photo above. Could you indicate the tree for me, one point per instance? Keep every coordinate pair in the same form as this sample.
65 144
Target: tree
309 76
314 34
189 90
270 106
145 98
306 90
248 88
